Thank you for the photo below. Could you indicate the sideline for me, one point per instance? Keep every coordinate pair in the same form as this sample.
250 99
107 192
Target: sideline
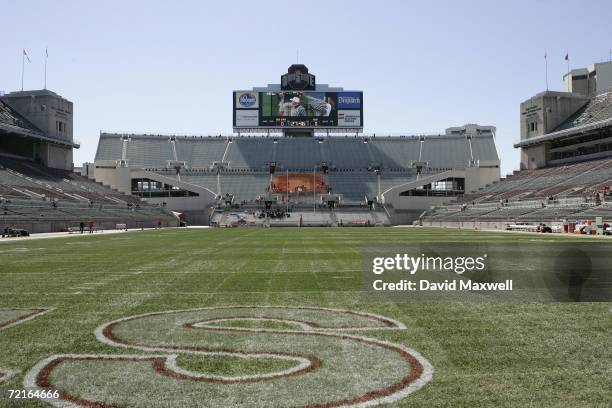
47 235
540 234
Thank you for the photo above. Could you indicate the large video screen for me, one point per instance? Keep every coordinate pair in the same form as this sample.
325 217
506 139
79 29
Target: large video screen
298 109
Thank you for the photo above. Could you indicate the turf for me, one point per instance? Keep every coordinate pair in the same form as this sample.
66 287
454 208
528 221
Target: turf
483 354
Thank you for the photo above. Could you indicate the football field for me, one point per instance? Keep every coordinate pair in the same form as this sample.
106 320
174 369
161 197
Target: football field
277 317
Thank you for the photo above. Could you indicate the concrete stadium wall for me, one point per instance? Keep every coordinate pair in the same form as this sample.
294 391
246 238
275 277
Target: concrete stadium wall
408 208
55 156
534 157
196 209
117 178
482 225
197 217
479 177
405 217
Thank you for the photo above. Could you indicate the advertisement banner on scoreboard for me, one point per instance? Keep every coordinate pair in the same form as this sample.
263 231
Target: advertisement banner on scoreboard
349 118
247 117
349 100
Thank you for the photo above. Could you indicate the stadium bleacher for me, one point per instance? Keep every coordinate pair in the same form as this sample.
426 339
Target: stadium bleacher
11 120
41 199
574 191
245 160
572 180
598 109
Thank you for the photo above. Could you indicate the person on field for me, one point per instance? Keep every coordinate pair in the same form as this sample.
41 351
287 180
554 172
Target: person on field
91 227
82 227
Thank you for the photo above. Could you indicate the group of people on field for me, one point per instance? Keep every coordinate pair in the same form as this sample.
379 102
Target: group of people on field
91 224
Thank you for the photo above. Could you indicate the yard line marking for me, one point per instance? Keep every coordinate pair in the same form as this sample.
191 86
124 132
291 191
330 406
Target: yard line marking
34 312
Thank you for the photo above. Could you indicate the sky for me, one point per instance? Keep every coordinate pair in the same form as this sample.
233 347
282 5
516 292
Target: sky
170 67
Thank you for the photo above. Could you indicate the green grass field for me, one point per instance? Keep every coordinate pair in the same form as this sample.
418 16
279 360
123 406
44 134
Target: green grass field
482 353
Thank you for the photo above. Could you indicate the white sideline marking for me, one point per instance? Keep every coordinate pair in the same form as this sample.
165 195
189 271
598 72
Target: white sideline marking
19 250
25 319
52 235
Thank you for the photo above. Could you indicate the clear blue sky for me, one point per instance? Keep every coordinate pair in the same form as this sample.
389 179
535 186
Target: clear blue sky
170 67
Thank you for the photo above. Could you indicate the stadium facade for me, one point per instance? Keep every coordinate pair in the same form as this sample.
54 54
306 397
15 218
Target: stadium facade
39 192
298 152
566 163
40 123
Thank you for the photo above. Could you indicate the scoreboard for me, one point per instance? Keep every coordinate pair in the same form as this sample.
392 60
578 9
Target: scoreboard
294 108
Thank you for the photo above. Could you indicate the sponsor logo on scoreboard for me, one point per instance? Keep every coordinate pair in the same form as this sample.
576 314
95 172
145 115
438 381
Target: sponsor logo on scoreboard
247 100
349 118
349 100
247 117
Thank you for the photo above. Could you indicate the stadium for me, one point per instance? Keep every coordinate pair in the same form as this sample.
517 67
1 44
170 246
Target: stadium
133 293
283 170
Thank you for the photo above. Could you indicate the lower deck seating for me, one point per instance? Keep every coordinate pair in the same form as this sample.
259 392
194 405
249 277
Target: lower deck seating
44 200
352 186
574 191
573 180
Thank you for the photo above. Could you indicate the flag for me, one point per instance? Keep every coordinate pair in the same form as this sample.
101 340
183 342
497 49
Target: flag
567 56
545 55
46 52
25 54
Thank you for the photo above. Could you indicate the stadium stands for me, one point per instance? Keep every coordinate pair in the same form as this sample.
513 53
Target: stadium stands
10 120
598 109
246 159
41 199
556 194
572 180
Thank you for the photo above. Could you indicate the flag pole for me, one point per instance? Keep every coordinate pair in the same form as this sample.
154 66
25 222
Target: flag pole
46 57
567 76
22 68
568 72
546 67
